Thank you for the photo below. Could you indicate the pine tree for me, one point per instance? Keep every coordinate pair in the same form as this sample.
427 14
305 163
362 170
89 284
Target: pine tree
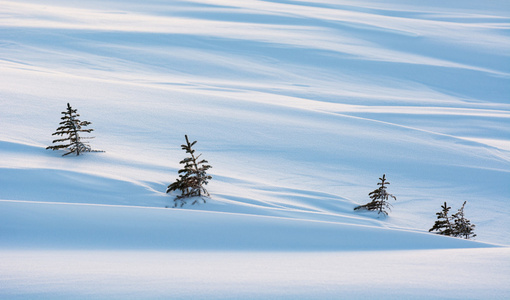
192 177
462 226
443 223
379 198
70 129
456 225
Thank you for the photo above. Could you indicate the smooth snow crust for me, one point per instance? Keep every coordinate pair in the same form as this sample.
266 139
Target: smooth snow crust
299 106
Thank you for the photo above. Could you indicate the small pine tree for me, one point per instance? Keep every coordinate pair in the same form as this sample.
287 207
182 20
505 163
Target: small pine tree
192 177
70 129
379 198
455 225
462 226
443 224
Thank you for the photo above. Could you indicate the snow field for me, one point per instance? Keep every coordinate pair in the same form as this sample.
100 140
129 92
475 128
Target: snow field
423 274
299 107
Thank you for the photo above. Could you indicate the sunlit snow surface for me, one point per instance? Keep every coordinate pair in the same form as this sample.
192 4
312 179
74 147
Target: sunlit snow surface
433 274
299 106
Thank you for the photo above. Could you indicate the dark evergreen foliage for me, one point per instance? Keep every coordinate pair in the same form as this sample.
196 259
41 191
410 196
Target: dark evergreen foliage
379 198
443 224
455 225
192 177
70 129
462 226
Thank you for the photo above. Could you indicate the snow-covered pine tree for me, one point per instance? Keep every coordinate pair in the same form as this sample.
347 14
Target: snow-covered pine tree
462 227
192 177
443 224
70 129
456 225
379 198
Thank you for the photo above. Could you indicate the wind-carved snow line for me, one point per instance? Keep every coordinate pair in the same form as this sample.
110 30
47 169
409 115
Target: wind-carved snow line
469 33
40 16
495 150
211 212
345 109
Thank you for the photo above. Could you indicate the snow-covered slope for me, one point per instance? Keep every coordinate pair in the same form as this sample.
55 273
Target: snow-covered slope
299 107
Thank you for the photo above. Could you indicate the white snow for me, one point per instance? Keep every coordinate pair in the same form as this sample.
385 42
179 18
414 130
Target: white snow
417 274
299 106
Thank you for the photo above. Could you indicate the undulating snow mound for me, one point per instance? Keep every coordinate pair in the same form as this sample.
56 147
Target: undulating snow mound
296 105
299 106
67 226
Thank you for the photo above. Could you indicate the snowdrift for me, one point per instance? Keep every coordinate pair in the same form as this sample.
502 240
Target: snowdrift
96 227
298 106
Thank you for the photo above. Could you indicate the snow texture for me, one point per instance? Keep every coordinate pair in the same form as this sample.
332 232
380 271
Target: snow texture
299 107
